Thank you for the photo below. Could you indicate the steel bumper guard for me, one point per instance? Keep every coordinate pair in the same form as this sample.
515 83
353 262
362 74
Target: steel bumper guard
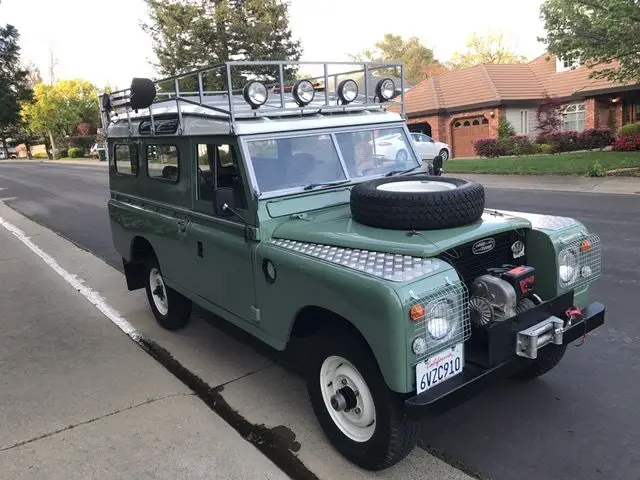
527 334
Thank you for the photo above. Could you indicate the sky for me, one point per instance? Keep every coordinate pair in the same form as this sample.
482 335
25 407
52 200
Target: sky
101 40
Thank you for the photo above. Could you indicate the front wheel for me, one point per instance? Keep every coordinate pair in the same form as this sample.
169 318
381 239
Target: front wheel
363 419
444 153
171 309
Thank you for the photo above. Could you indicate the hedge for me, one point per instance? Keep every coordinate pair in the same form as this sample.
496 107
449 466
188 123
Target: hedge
630 130
627 143
552 143
76 152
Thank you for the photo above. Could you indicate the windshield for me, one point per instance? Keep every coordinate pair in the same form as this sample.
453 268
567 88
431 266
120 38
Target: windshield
297 161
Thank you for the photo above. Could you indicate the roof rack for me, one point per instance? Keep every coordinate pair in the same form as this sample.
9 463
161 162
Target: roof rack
213 92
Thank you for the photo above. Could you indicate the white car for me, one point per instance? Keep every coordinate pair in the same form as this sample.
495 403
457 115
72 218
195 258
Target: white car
393 147
428 148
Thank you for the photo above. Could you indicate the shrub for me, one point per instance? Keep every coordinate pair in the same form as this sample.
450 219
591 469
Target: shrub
544 148
594 138
488 147
76 152
562 142
505 129
40 155
630 130
82 141
629 143
60 153
596 170
522 145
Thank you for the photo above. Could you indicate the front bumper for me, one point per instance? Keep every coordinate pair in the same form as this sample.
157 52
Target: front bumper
475 379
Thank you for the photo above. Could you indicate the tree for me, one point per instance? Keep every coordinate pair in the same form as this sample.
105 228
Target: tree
14 88
488 49
58 109
191 34
596 33
418 60
548 117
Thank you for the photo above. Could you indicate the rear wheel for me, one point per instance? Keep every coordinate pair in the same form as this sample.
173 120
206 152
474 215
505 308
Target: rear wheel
171 309
363 419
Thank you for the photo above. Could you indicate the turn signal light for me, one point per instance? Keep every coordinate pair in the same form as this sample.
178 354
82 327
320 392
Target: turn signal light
417 312
585 246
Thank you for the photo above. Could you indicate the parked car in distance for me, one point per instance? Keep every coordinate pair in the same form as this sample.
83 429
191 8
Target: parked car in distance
98 150
429 148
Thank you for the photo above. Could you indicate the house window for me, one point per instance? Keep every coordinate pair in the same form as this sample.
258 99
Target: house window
524 122
562 65
573 118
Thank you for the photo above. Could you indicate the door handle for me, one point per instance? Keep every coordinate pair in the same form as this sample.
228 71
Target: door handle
182 226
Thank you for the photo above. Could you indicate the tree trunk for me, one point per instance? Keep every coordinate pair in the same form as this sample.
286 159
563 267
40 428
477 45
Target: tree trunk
51 153
27 146
4 147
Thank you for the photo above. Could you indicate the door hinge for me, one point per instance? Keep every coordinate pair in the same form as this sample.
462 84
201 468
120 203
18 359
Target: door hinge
256 314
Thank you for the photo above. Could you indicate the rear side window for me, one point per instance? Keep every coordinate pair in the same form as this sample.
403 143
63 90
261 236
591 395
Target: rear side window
162 162
126 159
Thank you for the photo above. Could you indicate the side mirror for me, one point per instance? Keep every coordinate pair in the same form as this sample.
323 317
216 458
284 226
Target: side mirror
224 201
437 165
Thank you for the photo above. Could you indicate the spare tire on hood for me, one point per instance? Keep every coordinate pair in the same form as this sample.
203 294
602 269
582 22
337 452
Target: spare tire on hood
417 202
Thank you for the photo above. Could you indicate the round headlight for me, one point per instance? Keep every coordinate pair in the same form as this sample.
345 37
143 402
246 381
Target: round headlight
568 266
347 90
385 89
440 322
303 92
255 93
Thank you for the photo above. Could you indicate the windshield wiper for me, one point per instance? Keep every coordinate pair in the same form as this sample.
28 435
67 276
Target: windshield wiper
401 172
327 184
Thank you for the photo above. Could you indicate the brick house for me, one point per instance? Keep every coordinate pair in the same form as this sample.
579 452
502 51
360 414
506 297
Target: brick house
459 106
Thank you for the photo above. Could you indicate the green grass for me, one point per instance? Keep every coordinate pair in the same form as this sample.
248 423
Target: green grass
561 164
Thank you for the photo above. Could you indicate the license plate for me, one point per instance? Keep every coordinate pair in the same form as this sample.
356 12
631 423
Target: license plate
442 366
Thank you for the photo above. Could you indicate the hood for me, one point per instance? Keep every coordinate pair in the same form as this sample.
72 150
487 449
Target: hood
337 228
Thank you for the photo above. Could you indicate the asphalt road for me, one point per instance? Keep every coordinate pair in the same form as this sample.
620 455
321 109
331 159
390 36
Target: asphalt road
579 421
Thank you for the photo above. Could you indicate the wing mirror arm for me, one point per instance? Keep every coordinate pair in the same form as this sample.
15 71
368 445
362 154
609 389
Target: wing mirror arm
224 206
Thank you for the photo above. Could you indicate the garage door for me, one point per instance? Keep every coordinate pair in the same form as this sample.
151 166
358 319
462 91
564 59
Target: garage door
465 132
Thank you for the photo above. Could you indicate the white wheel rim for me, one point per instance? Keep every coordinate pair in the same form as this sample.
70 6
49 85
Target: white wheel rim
359 423
444 155
158 291
416 186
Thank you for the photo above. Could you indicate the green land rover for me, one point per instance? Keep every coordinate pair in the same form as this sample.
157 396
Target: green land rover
300 211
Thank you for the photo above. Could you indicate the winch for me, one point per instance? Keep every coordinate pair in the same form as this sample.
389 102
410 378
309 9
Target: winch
501 294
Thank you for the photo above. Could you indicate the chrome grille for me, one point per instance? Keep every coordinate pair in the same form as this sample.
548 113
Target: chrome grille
457 296
589 262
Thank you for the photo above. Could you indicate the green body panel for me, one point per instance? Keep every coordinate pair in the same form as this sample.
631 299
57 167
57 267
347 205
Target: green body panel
219 262
336 227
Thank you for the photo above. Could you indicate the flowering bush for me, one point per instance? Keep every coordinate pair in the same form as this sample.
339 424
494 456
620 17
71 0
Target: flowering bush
594 138
628 143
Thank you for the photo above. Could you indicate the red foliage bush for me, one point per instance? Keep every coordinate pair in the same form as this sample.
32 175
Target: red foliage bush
628 143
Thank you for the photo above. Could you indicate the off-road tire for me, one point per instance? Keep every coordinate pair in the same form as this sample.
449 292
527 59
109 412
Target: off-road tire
417 210
548 357
395 434
179 311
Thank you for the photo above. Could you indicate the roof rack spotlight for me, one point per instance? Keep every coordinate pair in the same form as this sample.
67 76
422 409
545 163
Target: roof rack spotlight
303 92
255 93
385 89
347 91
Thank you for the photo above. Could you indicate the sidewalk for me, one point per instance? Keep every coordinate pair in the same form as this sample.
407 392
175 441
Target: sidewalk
79 399
566 183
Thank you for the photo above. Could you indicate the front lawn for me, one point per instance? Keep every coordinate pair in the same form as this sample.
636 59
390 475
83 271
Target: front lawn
562 164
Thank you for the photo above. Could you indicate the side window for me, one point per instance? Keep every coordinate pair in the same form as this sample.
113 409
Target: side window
218 167
125 158
162 162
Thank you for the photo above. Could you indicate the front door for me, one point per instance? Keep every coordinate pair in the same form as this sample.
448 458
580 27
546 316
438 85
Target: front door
221 251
